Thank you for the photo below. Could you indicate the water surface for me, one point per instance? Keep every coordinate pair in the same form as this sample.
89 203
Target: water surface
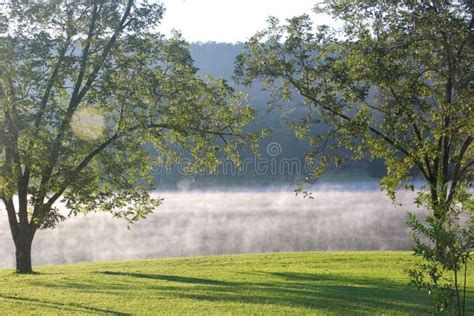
190 223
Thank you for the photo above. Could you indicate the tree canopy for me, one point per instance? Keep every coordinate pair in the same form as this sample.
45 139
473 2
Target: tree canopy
397 76
84 86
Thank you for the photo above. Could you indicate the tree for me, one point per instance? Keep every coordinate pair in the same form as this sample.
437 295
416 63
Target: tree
394 82
91 98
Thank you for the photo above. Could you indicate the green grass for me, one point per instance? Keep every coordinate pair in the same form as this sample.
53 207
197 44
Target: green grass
281 283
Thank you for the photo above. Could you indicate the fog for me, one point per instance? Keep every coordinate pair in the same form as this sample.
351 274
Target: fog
191 223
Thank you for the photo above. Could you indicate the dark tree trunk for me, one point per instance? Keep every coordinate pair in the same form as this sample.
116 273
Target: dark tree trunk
23 244
23 233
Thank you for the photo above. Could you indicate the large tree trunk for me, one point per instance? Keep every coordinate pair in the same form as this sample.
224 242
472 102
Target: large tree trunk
23 244
23 233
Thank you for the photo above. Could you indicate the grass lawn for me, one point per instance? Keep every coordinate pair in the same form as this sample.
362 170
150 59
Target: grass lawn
279 283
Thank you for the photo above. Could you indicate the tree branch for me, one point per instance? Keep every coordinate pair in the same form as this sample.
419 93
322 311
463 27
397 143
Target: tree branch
79 93
349 119
458 169
88 158
12 219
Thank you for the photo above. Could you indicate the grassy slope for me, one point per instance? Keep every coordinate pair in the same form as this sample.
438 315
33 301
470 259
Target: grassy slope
292 283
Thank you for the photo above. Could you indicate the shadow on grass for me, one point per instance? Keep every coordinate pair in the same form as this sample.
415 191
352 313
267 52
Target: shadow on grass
313 292
170 278
335 294
62 307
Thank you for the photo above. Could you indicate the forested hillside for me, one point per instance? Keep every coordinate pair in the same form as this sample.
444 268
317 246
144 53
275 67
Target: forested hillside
282 160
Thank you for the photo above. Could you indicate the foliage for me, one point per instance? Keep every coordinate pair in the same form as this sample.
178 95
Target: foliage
445 244
84 87
395 82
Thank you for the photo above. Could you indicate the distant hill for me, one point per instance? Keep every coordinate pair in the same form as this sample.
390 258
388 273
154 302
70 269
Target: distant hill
277 167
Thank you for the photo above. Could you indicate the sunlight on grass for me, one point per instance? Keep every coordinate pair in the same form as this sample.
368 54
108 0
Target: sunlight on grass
287 283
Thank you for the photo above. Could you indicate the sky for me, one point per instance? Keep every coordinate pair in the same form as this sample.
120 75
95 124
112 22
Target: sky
229 20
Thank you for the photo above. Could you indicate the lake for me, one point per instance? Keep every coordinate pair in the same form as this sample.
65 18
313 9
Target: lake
355 216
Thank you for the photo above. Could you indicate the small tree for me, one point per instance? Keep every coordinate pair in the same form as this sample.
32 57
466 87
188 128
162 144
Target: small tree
88 91
395 83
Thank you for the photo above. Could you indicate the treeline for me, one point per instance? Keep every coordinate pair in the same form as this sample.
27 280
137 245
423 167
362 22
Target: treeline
282 159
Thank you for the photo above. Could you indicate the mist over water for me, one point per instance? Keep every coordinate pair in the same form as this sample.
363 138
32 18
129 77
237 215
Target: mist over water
190 223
